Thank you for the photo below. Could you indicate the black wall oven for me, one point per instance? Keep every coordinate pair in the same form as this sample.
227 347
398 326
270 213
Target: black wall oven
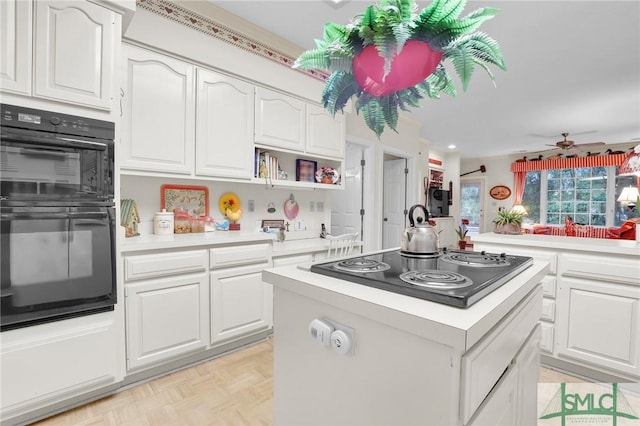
57 216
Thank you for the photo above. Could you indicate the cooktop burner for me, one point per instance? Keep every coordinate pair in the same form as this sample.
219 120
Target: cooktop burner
480 259
362 265
456 278
435 278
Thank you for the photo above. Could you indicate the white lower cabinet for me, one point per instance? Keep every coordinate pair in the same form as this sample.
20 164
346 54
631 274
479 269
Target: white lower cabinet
240 302
591 308
48 364
166 318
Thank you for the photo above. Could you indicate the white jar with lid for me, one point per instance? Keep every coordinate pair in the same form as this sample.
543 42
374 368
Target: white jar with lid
163 223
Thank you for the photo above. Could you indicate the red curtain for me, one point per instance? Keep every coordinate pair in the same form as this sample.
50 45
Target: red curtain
519 179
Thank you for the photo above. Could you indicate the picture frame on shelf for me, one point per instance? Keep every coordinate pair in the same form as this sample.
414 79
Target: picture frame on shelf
306 170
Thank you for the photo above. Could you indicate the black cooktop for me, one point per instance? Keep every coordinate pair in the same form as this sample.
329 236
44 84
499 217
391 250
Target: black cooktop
456 278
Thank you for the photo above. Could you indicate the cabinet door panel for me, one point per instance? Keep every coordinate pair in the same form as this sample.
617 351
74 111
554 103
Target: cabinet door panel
325 134
166 318
15 50
546 340
601 325
224 135
241 303
74 52
280 120
159 113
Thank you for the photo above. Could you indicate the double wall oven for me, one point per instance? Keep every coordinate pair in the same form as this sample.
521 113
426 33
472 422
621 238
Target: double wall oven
57 216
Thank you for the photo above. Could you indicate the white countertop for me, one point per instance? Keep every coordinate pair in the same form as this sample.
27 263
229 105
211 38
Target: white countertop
195 240
600 245
455 327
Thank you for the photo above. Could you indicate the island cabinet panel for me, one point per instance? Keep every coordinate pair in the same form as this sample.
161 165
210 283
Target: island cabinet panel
166 318
325 133
279 120
601 324
483 365
75 44
158 120
224 126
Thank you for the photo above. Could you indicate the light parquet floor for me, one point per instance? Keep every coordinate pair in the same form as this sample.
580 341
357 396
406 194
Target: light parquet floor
235 389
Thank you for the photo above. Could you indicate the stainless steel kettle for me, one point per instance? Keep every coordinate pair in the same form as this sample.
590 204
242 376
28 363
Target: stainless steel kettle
419 238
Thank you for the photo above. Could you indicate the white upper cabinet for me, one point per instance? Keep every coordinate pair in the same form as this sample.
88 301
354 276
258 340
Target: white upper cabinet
224 126
158 113
74 52
280 120
325 134
15 50
73 47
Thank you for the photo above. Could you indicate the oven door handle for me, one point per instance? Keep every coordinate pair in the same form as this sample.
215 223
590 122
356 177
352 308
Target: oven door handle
52 140
54 215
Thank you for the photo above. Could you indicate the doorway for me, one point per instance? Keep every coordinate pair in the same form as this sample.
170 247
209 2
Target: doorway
472 204
347 210
394 207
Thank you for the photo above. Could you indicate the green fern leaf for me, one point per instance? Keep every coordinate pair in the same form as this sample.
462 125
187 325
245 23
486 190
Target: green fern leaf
486 68
312 59
339 88
481 46
333 32
472 22
372 113
441 10
389 106
462 60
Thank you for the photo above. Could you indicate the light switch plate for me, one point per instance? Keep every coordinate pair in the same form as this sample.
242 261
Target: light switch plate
252 205
312 206
319 206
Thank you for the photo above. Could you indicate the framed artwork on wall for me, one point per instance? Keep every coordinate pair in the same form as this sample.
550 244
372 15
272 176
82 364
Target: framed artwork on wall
306 170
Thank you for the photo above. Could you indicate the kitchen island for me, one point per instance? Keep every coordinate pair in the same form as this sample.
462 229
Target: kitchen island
591 307
410 361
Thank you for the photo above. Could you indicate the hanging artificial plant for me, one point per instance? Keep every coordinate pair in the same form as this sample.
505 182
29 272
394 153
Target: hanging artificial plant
391 57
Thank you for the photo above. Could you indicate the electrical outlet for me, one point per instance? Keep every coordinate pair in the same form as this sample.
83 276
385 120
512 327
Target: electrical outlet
319 206
312 206
252 205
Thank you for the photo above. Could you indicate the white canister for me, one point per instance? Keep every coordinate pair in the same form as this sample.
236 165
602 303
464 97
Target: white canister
163 223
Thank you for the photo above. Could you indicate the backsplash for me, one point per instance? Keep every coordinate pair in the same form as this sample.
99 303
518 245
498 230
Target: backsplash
314 205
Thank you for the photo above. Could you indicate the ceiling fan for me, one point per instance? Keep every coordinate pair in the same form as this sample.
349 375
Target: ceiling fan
567 144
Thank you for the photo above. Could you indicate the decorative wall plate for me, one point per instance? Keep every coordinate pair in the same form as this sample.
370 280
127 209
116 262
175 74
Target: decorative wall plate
230 200
193 199
291 208
500 192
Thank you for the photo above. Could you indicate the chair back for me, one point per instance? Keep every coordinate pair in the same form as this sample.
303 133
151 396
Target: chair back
341 245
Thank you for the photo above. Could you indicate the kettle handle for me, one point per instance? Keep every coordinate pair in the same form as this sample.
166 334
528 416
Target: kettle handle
424 210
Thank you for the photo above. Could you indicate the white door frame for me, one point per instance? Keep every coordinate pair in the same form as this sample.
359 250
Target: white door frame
483 199
368 223
411 189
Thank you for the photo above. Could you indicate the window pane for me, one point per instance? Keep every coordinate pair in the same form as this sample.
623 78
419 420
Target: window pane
579 193
531 197
623 212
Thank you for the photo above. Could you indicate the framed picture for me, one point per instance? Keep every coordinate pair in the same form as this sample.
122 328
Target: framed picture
193 199
306 170
500 192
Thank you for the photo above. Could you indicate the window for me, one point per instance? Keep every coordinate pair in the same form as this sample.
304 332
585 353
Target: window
579 193
586 194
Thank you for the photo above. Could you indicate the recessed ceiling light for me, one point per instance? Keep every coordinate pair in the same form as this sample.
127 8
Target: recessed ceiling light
452 146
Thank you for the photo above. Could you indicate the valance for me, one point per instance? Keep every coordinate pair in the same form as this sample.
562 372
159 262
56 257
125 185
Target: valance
570 163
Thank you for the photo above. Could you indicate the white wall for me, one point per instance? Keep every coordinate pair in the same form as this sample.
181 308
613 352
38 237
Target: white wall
146 193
